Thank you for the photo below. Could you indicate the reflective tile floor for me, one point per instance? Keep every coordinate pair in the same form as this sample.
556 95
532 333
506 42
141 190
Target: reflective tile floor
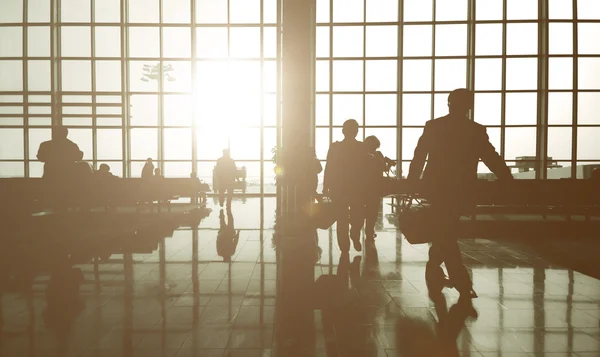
211 291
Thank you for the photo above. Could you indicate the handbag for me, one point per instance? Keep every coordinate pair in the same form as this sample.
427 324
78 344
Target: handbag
417 223
323 214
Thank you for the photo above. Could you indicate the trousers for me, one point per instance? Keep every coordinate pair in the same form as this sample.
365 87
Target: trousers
350 219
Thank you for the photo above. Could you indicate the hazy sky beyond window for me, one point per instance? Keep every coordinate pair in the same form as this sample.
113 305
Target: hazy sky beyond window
357 62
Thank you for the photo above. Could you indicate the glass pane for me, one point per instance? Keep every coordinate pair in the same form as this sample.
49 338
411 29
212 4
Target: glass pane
143 11
451 10
143 76
519 142
12 11
521 39
12 169
269 11
322 109
488 10
494 137
487 109
177 110
211 42
178 76
211 142
75 11
107 11
521 73
588 34
270 76
560 9
416 109
488 74
418 10
417 40
12 144
108 41
144 144
560 73
83 139
410 137
381 75
387 137
244 11
348 10
588 107
77 76
440 105
269 142
38 10
177 11
108 76
561 38
109 144
11 73
522 9
245 143
382 11
177 42
322 142
488 39
144 110
75 41
347 41
177 169
380 109
178 144
38 41
270 42
451 40
559 143
587 10
322 41
587 139
589 73
36 137
560 108
347 106
36 169
323 12
38 76
12 41
245 42
416 75
211 11
347 75
270 109
521 109
144 42
382 41
450 74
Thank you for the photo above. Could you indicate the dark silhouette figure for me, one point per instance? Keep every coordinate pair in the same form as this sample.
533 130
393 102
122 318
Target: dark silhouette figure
104 172
59 155
344 184
453 145
148 169
375 167
227 238
304 171
226 172
158 174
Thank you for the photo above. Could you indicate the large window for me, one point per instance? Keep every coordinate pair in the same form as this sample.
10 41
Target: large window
391 64
177 81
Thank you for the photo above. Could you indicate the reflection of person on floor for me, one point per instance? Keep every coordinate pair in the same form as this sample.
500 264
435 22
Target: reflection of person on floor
228 237
343 183
226 172
148 169
59 155
452 145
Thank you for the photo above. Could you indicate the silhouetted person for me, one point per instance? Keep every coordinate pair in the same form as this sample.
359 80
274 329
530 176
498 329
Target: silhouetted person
375 167
226 172
59 155
158 174
227 237
344 184
453 145
104 172
148 169
304 170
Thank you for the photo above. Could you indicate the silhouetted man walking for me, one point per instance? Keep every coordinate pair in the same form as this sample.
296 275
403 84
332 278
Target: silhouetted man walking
344 184
453 145
226 172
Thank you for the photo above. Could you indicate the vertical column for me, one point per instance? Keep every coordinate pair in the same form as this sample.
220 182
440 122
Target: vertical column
298 76
55 62
542 115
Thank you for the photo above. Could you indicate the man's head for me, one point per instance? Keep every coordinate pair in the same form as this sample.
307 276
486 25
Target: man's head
372 143
350 129
104 168
149 160
157 172
60 132
460 101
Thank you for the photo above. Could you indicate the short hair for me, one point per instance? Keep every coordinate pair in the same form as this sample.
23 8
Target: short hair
374 140
104 166
460 96
350 124
61 131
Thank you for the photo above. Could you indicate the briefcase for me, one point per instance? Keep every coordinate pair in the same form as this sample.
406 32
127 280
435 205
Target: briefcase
323 214
418 225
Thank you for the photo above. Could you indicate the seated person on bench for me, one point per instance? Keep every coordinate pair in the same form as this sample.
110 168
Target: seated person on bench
59 155
104 172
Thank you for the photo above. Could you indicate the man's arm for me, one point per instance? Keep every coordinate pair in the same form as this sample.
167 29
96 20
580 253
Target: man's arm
418 162
41 155
329 168
492 159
